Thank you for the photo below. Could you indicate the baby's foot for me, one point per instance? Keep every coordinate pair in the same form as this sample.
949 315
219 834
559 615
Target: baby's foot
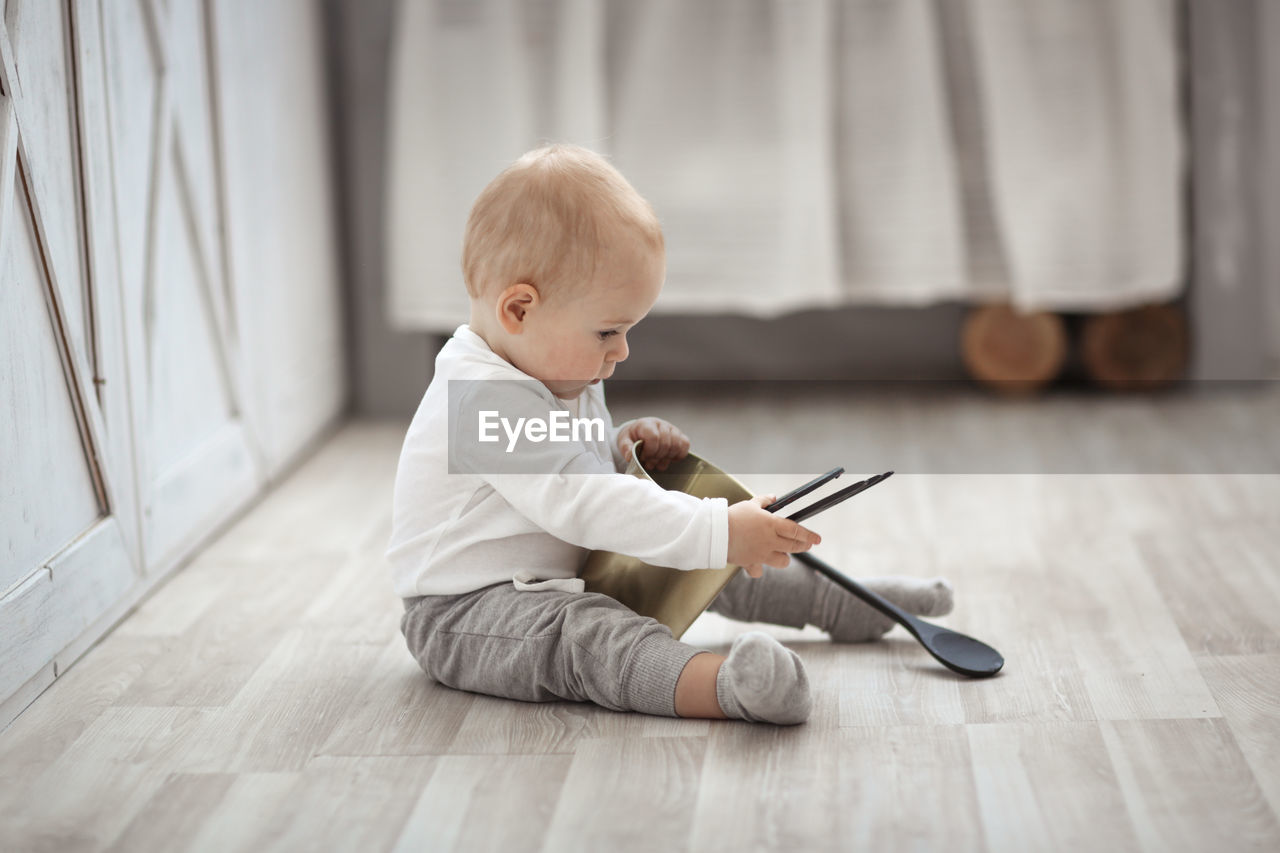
764 682
850 620
921 596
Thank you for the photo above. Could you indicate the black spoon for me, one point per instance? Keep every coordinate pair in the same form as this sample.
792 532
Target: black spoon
955 651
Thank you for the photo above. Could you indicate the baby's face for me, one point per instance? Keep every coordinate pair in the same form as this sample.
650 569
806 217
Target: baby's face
576 343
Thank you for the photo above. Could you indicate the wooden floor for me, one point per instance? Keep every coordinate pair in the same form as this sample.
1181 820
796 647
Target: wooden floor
262 698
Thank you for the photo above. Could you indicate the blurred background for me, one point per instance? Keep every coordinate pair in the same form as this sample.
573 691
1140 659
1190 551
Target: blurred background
842 183
229 227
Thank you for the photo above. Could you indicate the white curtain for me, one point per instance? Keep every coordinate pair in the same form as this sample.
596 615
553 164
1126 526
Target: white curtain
809 153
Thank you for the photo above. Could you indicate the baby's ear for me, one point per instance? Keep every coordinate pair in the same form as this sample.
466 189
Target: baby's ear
513 305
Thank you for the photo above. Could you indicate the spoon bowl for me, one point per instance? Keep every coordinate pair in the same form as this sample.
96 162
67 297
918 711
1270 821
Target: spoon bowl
957 652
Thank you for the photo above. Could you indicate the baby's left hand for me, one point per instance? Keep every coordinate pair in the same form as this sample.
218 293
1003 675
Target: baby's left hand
663 443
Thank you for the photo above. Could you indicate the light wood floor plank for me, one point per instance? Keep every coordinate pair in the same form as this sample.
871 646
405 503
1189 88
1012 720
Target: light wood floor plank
1221 583
893 682
171 818
400 711
752 796
1133 659
500 726
86 806
1187 786
325 506
289 707
341 803
486 802
609 777
248 816
87 796
507 727
1048 786
219 652
35 740
1252 495
1010 596
188 595
1247 690
355 596
907 788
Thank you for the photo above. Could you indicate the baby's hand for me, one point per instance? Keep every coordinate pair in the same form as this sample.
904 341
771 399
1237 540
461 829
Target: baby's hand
663 443
758 538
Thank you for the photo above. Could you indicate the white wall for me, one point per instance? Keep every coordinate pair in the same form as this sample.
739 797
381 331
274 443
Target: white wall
169 307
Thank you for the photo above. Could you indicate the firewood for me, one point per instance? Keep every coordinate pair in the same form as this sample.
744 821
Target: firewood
1011 351
1143 347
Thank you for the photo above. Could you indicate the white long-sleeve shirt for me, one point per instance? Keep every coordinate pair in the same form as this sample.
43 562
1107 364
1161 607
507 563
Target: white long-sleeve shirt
481 515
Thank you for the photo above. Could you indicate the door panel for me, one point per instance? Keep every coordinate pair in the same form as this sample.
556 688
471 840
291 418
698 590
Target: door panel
188 80
47 494
59 601
195 460
280 229
132 83
126 433
40 37
189 398
66 557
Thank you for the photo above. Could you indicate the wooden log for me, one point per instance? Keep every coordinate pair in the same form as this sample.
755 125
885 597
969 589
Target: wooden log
1011 351
1143 347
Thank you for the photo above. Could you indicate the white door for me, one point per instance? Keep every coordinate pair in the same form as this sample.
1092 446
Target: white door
165 218
195 460
122 438
68 543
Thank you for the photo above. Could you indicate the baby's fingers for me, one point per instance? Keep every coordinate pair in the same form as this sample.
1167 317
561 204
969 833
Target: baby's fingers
665 450
680 444
778 560
795 537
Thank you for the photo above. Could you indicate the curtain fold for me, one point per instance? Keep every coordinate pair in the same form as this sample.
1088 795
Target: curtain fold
722 119
1085 148
810 153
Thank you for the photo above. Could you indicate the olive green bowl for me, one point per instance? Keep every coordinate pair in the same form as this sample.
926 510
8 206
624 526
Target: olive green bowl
674 597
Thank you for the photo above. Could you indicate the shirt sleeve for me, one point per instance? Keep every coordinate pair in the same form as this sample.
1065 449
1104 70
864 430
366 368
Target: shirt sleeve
568 490
625 514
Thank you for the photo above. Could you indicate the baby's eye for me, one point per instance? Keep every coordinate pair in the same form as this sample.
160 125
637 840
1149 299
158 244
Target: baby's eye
607 334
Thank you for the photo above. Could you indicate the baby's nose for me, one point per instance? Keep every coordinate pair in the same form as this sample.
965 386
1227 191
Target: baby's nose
622 351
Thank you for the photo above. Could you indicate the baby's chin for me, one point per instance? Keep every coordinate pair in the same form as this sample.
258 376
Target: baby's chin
567 391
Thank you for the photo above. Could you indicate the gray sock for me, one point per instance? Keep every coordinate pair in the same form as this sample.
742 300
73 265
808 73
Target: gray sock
764 682
849 620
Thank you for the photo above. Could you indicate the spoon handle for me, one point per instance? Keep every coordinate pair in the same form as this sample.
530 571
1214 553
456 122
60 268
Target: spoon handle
888 608
957 652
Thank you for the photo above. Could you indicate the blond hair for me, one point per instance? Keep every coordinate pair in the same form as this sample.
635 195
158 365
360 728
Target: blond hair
546 218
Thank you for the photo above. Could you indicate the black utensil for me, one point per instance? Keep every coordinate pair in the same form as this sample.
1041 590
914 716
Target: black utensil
796 494
958 652
838 497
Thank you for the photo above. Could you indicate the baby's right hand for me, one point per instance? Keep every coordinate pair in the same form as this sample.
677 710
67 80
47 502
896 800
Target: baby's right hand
758 538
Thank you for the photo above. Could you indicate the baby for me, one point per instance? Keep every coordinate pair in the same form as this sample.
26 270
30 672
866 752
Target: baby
491 523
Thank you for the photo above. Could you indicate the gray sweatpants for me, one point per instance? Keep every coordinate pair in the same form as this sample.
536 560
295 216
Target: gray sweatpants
548 645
